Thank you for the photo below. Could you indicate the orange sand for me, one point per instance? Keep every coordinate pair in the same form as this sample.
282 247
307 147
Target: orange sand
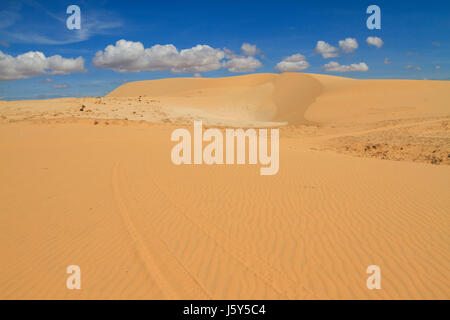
93 189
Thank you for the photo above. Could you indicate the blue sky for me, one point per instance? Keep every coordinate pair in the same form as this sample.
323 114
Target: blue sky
415 36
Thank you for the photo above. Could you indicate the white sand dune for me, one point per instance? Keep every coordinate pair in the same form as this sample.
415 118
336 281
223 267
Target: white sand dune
93 189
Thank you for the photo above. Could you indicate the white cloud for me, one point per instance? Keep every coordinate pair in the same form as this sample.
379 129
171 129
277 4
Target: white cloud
249 49
229 54
326 50
129 56
60 65
35 63
375 41
336 67
242 64
296 62
198 58
387 61
198 75
348 45
438 67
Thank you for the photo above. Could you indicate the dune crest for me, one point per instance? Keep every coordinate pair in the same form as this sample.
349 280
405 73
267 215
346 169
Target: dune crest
295 98
259 97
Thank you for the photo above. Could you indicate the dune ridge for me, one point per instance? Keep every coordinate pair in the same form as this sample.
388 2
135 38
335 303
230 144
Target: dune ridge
294 98
260 97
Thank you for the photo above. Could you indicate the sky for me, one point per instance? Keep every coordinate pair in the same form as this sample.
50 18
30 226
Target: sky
121 41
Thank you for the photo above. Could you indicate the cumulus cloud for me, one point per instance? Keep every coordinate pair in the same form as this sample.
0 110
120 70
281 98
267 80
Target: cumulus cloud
296 62
35 63
198 75
60 65
242 64
336 67
375 41
229 54
438 67
129 56
348 45
249 49
198 58
326 50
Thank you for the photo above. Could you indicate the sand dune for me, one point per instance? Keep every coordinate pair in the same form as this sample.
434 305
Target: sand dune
96 188
295 98
251 100
345 100
259 97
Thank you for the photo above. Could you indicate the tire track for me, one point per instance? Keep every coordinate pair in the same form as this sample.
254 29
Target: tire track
238 254
150 264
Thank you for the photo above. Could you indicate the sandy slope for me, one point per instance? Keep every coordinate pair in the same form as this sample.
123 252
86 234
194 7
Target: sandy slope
259 97
101 192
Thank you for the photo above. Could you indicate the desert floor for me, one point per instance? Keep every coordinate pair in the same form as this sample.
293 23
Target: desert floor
364 179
